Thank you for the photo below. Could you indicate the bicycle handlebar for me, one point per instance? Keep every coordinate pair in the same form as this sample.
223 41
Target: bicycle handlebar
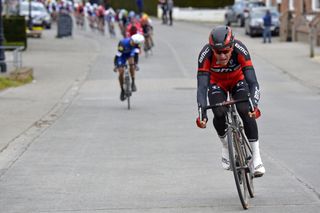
229 103
226 103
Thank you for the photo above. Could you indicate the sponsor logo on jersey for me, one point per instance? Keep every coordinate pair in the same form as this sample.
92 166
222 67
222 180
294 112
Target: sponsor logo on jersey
242 49
256 94
203 54
225 69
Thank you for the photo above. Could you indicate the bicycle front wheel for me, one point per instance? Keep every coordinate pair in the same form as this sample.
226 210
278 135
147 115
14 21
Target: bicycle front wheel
128 90
247 153
238 167
128 100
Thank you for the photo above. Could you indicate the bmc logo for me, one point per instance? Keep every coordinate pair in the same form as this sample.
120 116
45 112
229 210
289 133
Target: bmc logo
244 51
203 54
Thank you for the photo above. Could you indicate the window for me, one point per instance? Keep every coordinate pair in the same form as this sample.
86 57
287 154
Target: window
316 5
291 6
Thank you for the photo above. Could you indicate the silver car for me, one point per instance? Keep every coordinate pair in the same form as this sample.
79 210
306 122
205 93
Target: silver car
39 14
254 21
238 12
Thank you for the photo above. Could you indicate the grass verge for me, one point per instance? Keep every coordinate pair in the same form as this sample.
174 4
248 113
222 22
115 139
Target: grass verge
6 82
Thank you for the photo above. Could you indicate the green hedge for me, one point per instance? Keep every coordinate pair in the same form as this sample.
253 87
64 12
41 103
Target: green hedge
14 29
203 3
150 6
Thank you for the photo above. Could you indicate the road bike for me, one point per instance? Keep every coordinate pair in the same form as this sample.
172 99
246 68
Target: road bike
240 152
112 31
148 44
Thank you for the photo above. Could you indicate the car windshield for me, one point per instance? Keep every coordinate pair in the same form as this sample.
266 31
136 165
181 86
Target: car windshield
255 4
25 7
260 14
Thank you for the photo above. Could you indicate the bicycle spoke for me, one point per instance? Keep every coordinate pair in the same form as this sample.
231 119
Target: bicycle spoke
247 153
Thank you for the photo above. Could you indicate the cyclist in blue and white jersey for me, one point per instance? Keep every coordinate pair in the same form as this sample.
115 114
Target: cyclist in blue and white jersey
127 49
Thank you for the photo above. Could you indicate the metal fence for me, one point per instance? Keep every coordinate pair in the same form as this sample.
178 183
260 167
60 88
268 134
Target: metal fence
14 59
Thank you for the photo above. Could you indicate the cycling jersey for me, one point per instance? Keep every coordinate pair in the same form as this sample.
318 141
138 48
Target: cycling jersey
125 51
100 12
133 28
238 68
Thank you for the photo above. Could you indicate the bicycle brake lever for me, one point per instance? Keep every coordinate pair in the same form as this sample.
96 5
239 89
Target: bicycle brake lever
251 107
200 113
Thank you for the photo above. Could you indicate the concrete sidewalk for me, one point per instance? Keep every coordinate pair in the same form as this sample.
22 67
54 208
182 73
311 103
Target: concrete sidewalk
61 65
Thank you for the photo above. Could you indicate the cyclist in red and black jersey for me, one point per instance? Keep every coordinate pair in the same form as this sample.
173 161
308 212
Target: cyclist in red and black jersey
224 65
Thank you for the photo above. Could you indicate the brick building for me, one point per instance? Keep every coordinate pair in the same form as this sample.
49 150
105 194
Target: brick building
300 19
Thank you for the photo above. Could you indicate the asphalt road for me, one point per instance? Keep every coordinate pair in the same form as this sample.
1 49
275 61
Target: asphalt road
99 157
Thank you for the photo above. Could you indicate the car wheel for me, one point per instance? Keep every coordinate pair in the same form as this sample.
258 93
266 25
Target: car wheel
251 33
239 21
226 21
246 30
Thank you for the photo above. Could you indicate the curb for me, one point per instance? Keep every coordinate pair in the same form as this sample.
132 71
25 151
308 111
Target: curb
21 74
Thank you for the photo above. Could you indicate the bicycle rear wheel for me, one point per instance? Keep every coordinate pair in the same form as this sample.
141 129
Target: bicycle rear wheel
238 167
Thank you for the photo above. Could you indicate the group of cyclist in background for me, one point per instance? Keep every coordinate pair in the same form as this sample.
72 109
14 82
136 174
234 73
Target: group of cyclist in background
135 29
98 16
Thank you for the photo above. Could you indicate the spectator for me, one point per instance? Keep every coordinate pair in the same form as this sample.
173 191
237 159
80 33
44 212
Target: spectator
267 21
140 6
163 5
170 5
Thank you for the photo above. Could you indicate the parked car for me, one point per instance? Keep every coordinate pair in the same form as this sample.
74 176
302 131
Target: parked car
254 21
39 14
238 12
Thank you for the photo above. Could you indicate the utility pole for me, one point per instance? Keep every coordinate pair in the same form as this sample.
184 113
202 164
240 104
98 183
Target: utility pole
312 40
3 66
30 16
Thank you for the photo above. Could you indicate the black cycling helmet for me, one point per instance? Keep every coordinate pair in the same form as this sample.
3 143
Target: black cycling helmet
221 37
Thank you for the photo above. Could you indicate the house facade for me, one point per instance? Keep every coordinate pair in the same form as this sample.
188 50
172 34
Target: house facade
300 19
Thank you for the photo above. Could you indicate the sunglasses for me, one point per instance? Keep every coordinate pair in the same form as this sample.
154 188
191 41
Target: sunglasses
225 51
